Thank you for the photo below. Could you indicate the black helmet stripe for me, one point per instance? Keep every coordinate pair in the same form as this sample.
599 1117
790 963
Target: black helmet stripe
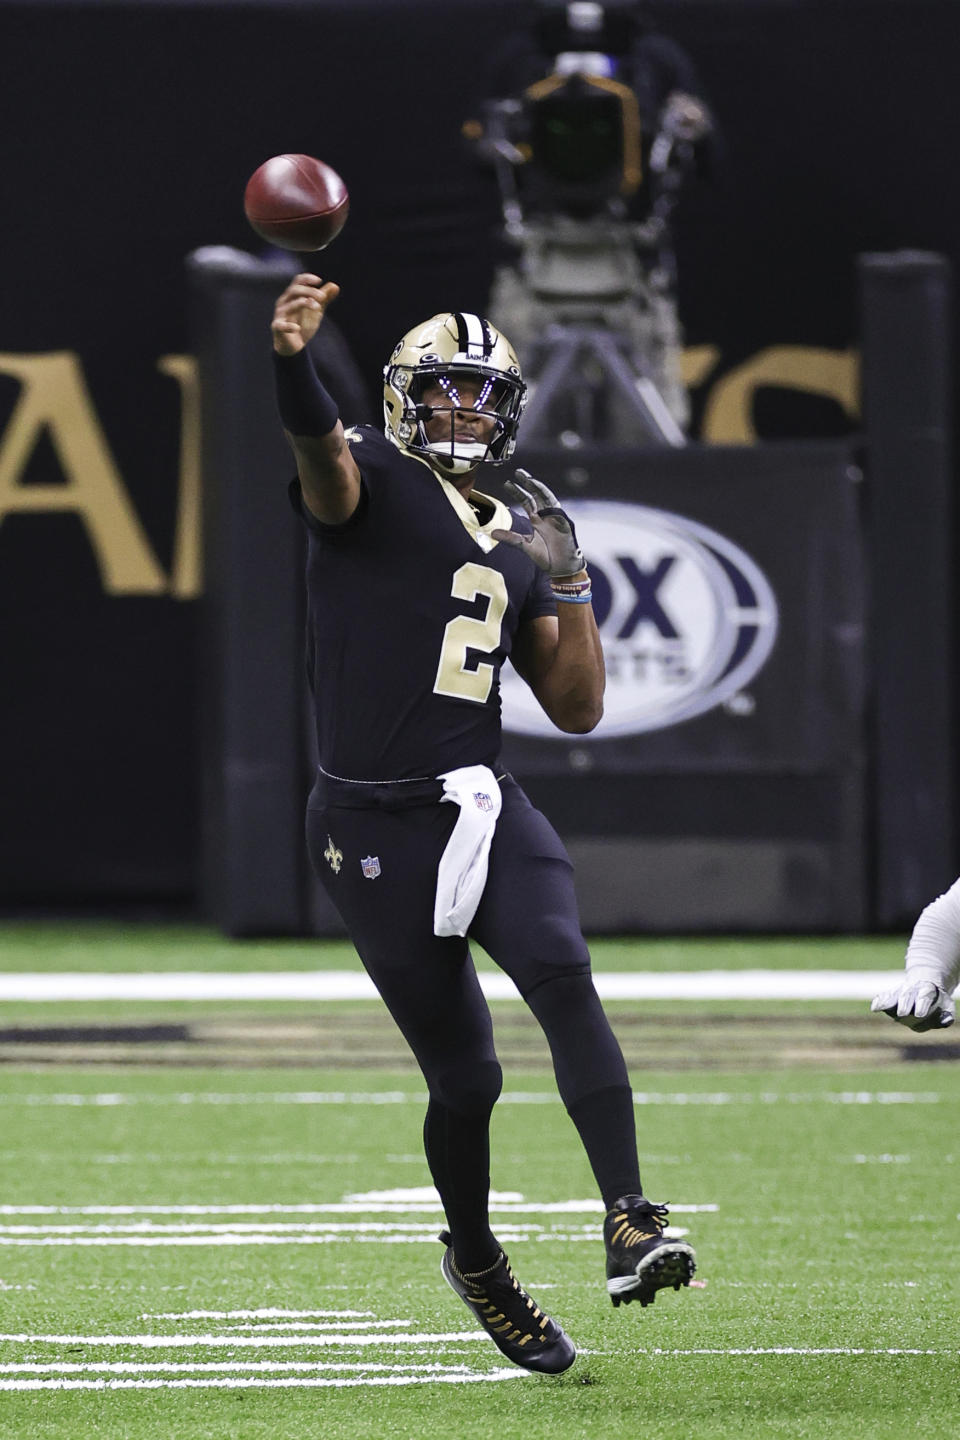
473 336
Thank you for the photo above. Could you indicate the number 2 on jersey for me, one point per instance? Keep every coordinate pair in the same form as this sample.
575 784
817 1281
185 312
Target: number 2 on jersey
469 633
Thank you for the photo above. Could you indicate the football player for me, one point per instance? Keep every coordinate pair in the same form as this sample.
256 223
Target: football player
419 587
924 998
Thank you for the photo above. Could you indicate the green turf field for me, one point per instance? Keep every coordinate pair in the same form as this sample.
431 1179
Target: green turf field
228 1232
105 946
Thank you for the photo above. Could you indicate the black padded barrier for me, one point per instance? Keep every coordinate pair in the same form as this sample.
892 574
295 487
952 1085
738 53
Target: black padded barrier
813 796
906 301
747 810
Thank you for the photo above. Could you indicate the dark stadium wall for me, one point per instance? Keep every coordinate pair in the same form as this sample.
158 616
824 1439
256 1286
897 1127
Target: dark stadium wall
129 132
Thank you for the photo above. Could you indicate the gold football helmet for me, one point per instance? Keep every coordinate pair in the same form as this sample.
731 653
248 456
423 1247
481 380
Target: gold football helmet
441 352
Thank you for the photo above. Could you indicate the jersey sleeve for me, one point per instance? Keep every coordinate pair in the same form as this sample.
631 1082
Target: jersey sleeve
373 453
295 493
540 599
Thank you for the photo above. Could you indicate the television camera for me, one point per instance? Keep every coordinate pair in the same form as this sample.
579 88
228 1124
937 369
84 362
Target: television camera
590 158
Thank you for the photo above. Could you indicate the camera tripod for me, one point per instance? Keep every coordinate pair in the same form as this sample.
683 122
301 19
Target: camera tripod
596 331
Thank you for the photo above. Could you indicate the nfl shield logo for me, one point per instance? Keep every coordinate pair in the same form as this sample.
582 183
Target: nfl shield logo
371 866
483 802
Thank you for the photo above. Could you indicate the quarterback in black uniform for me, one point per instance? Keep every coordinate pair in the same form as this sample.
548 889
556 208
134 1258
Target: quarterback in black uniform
419 587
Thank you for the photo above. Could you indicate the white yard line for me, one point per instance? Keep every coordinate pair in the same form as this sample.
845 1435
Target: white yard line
798 1350
653 1099
233 1375
248 1382
202 1367
354 985
155 1242
258 1342
133 1367
358 1207
139 1226
509 1235
267 1312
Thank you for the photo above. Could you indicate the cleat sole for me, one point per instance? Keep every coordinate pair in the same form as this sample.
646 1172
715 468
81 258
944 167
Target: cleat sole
670 1267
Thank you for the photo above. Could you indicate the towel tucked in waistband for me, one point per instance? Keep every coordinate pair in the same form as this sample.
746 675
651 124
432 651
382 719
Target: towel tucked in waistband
462 872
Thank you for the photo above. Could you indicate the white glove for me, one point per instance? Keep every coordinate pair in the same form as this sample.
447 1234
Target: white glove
553 544
918 1003
923 998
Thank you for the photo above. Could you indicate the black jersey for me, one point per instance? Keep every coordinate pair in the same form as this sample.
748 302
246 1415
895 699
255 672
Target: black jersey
411 611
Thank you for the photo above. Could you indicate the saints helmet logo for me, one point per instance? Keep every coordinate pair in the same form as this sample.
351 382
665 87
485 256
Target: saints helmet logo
333 856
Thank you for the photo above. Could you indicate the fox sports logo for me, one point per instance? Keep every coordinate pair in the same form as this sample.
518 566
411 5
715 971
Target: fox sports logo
687 620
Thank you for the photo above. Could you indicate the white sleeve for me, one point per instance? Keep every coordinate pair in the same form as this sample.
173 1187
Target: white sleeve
934 949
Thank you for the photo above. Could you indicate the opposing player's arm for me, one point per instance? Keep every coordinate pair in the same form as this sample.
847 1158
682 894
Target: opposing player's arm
329 476
561 659
923 1000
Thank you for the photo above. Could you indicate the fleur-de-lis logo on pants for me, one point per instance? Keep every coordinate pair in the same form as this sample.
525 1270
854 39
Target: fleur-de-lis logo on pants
333 856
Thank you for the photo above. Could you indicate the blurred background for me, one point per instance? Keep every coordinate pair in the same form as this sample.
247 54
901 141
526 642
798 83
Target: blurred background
729 226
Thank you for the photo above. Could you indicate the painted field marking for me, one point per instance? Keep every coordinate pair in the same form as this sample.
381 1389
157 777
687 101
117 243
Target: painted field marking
509 1235
129 1375
134 1226
510 1098
113 1098
331 985
170 1367
266 1312
131 1225
234 1373
249 1382
356 1331
257 1342
798 1350
338 1207
186 1367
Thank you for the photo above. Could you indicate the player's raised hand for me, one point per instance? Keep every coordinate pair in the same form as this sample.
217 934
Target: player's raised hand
299 311
918 1004
553 542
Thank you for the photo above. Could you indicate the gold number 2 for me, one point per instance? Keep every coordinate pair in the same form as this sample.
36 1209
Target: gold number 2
469 633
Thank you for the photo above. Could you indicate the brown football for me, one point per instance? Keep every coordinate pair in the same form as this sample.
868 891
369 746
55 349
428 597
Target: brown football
296 202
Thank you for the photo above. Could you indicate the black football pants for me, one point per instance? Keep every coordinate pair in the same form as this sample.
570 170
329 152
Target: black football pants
376 850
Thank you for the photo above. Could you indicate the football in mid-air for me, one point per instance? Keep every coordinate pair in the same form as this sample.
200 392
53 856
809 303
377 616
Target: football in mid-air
296 202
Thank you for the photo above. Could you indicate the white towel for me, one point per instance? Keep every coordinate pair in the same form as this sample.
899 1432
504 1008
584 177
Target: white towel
462 872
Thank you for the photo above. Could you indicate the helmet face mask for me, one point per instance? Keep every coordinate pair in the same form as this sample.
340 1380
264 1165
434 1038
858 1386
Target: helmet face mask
455 365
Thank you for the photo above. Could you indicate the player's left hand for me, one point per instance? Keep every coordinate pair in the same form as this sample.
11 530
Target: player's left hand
553 542
919 1004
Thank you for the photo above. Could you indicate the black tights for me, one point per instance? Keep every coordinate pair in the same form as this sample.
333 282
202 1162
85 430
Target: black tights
528 922
593 1084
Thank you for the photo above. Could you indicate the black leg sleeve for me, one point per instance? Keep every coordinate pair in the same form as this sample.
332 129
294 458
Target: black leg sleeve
592 1079
456 1138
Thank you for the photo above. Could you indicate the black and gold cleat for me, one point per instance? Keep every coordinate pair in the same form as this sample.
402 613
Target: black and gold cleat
514 1322
640 1259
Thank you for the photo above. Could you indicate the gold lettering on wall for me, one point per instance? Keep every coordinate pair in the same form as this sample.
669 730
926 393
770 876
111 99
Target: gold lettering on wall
186 580
697 362
728 417
54 399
